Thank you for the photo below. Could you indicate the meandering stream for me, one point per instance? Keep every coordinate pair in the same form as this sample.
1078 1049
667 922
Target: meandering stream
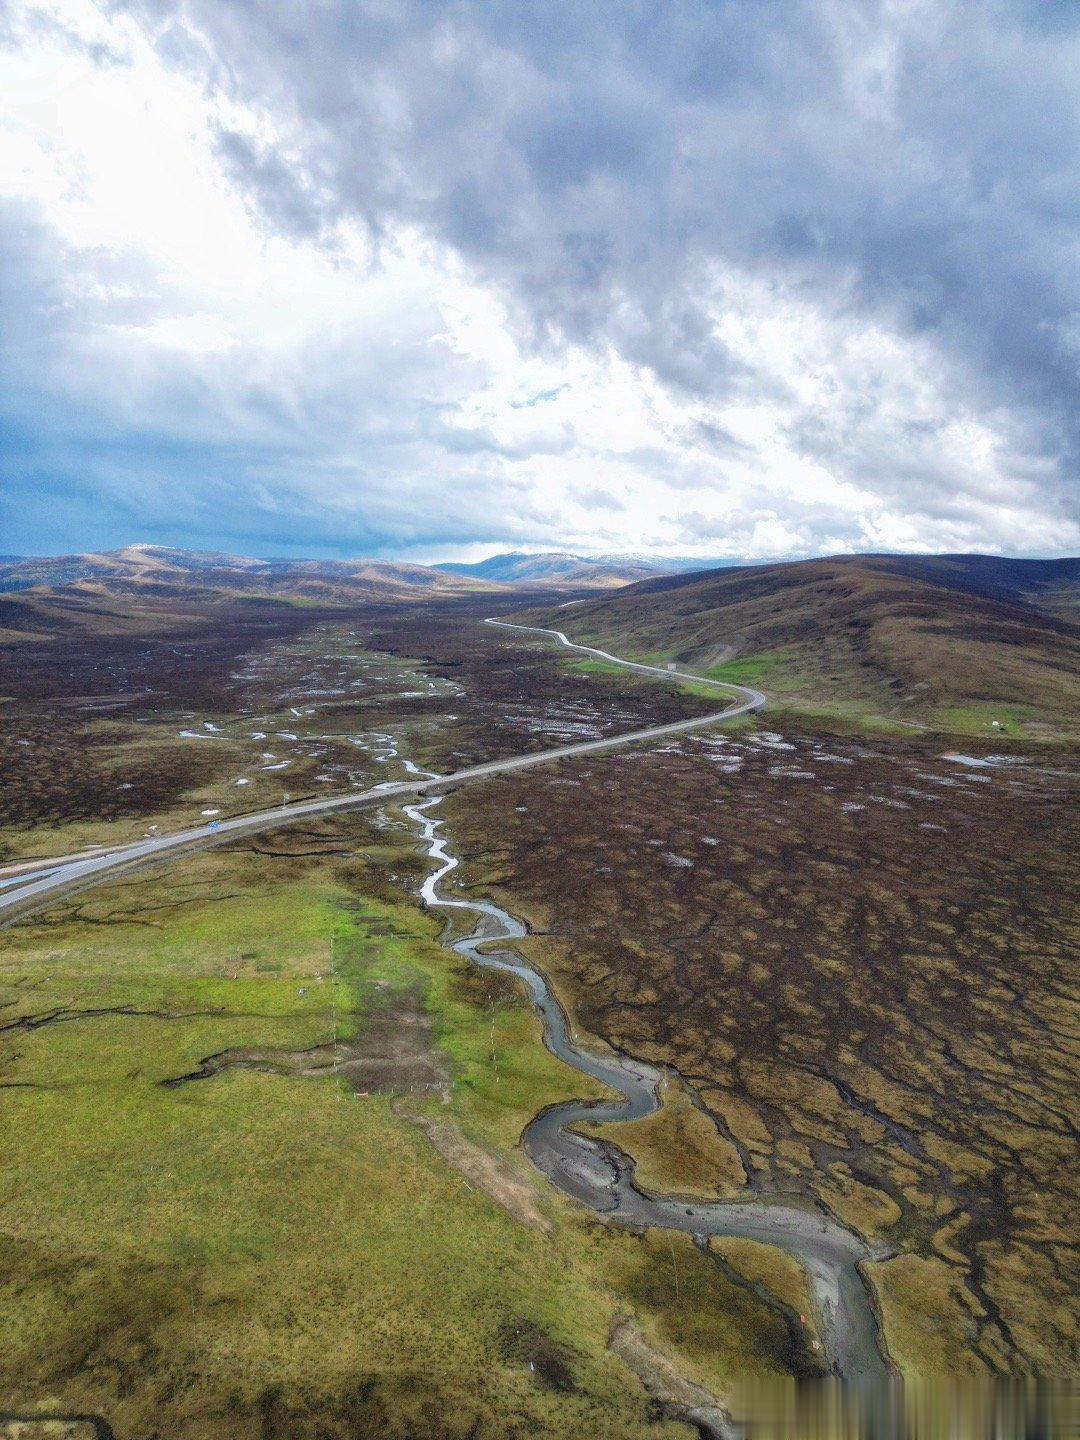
600 1176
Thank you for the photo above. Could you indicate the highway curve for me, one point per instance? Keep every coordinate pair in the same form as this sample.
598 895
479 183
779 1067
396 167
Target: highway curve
28 888
594 1172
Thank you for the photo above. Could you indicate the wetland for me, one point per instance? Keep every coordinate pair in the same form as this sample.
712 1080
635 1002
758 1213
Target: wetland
784 1012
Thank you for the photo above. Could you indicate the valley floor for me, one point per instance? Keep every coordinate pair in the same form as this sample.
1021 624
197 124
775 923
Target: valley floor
259 1129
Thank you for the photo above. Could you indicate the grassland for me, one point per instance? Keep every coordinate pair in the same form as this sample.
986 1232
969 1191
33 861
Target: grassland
147 590
854 951
270 1252
797 690
865 639
761 669
678 1150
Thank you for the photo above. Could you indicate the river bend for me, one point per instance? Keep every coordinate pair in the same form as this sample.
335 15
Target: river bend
600 1176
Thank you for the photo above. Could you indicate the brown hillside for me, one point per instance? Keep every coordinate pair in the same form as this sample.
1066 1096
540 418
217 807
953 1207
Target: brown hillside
146 589
905 637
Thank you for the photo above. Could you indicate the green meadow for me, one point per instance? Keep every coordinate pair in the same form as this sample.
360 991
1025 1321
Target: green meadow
262 1253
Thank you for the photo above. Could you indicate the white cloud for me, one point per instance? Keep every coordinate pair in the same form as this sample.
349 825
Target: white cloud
363 381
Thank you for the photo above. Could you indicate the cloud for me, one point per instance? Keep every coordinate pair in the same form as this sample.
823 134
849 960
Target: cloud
388 275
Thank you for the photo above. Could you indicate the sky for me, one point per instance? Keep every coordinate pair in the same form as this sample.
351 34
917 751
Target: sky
403 278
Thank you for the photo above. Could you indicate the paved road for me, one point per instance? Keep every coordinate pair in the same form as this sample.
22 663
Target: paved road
30 889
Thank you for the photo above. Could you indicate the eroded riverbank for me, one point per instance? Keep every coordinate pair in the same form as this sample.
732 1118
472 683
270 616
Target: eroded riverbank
600 1176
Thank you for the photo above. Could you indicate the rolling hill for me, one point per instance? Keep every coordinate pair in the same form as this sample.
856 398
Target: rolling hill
556 568
137 567
963 641
146 588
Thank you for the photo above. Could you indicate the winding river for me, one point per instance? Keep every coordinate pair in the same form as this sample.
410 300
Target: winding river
592 1171
602 1177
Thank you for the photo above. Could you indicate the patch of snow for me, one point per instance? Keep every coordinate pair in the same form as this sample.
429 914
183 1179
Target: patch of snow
769 740
991 762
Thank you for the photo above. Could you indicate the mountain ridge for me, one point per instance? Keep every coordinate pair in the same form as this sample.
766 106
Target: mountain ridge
153 588
547 567
553 567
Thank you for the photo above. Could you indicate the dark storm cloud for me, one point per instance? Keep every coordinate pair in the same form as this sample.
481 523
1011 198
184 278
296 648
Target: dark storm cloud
282 191
913 164
621 174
